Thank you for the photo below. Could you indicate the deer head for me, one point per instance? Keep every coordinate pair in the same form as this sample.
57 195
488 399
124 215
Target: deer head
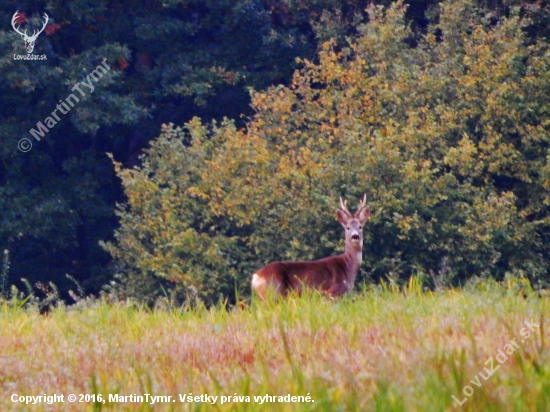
29 40
353 224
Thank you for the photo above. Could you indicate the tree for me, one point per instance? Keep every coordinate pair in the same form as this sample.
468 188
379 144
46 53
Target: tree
169 61
446 132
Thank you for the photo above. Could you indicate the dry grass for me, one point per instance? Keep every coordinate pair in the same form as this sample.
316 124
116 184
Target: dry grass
381 350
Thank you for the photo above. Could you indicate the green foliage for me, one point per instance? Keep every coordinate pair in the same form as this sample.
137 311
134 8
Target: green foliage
4 274
169 61
446 132
376 351
55 200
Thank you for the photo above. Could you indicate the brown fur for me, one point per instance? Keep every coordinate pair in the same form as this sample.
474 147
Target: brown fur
333 276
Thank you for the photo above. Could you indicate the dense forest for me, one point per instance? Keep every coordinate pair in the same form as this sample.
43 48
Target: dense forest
219 135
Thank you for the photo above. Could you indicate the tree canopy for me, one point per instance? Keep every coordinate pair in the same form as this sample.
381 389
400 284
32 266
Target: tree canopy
169 61
441 122
446 131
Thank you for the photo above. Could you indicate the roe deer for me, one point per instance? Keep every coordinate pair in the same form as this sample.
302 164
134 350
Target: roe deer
333 276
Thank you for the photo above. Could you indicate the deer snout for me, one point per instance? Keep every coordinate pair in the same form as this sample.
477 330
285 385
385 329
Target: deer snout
355 236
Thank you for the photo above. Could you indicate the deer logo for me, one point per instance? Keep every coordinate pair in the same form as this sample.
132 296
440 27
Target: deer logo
29 40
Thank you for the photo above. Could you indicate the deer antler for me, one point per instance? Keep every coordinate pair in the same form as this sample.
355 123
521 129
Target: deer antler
14 22
35 32
362 202
344 208
363 209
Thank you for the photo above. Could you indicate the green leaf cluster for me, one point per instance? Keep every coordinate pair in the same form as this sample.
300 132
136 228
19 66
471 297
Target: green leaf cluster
169 61
447 133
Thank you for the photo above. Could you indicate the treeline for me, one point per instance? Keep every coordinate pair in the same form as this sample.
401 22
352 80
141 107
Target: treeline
438 112
446 131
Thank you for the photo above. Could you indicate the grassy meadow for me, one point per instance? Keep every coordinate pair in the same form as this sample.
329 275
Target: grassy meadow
378 350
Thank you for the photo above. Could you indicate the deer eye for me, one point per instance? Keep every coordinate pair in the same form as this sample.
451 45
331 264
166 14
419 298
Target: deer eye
347 228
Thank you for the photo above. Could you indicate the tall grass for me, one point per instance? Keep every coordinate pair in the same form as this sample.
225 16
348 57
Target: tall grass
377 350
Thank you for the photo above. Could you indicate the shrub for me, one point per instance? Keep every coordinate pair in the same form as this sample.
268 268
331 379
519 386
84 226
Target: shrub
447 132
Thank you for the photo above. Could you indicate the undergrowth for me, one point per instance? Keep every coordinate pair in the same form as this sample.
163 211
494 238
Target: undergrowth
381 349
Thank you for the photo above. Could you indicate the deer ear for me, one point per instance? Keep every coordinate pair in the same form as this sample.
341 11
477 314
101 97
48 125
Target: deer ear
363 214
342 217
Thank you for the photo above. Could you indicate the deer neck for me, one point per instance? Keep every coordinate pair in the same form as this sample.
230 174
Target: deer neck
353 257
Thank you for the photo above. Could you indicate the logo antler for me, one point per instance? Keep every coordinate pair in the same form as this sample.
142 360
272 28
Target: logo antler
29 40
